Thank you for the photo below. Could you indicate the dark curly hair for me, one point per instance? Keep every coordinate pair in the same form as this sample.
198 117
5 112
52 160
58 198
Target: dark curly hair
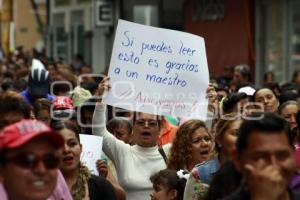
169 179
181 150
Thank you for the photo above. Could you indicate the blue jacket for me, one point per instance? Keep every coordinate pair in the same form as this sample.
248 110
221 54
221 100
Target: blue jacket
207 170
29 100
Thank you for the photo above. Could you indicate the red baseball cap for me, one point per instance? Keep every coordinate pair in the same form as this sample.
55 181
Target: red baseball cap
62 103
22 132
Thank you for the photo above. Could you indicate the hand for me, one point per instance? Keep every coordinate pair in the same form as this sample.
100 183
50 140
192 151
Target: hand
102 168
212 95
265 181
103 86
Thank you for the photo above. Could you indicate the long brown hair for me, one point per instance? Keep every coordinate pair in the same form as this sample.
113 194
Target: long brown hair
181 150
222 125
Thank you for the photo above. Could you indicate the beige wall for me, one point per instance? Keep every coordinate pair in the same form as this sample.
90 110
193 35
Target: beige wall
26 26
5 20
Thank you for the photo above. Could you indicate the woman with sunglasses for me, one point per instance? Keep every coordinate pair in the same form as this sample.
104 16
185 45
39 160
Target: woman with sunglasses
81 183
13 108
29 160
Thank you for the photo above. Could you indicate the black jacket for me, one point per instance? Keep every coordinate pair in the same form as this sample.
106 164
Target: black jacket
241 194
101 189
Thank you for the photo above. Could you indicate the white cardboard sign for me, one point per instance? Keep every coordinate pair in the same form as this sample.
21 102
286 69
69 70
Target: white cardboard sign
91 151
158 71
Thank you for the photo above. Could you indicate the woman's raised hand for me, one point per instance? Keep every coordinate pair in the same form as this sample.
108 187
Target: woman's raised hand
103 86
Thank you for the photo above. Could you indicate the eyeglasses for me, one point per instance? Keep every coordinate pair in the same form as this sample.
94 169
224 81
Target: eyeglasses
30 160
151 123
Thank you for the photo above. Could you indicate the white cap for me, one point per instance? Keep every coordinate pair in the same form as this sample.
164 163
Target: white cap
247 90
37 64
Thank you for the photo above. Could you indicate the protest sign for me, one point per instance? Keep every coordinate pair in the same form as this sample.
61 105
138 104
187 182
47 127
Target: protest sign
158 71
91 151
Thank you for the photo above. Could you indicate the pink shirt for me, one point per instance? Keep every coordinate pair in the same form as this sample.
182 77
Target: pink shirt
61 191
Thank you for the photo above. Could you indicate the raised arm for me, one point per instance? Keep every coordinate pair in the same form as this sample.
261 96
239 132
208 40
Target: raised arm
112 147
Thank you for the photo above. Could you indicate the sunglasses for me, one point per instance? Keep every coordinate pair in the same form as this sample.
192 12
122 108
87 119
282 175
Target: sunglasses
30 160
62 114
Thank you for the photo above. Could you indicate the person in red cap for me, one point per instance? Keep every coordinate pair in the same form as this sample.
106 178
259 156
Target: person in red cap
29 159
63 108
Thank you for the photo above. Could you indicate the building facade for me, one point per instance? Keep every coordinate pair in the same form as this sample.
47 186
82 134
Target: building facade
73 31
261 33
75 27
22 24
277 38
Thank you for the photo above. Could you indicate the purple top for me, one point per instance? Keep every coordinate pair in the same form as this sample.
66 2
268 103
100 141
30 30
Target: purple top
295 183
297 149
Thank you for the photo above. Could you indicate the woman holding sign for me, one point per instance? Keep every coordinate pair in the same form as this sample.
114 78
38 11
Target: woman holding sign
81 183
134 164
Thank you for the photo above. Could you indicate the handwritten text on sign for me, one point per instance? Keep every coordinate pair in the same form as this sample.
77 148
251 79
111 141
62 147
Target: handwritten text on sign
91 151
158 71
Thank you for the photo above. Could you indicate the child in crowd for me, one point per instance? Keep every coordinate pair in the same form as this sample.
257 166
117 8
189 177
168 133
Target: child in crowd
168 184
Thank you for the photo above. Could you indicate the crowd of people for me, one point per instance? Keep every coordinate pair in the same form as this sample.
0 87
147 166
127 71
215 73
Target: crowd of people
249 148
